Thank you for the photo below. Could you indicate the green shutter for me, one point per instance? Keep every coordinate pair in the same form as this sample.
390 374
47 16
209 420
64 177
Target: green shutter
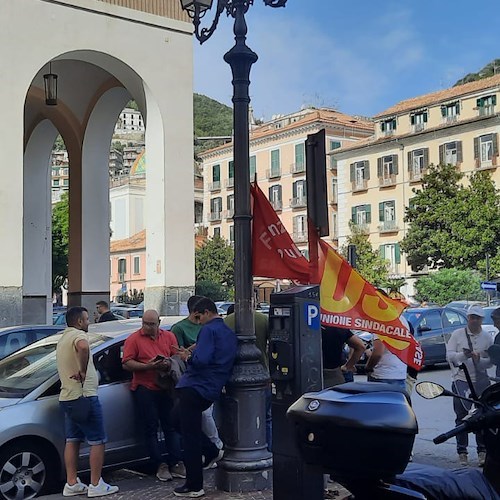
253 167
353 169
381 251
426 157
275 162
231 169
412 119
494 100
476 148
459 152
395 168
494 139
479 103
381 211
379 167
353 214
382 126
457 108
441 154
367 170
216 173
425 116
299 154
397 253
368 209
443 111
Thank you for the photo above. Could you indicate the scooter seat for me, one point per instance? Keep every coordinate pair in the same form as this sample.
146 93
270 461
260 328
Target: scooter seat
443 484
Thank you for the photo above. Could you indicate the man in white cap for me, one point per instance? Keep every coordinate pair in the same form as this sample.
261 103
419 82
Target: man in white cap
469 346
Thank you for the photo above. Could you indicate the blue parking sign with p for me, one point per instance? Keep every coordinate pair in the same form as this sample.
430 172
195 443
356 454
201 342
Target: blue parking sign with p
312 316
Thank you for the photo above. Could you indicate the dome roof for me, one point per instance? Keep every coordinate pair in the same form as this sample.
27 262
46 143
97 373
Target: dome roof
139 166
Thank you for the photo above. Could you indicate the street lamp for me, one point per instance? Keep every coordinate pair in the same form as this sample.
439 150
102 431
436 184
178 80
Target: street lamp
247 463
50 86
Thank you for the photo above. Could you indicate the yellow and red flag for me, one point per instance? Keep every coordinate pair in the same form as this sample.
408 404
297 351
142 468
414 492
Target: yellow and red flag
349 301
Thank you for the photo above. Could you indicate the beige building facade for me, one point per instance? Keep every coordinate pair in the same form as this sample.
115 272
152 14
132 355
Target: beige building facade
277 160
376 177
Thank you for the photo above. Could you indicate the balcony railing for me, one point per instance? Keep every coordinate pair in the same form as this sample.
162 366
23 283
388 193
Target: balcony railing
297 168
416 174
364 227
277 204
334 199
273 173
299 236
214 186
298 202
418 127
214 216
450 119
360 185
388 226
229 183
486 110
387 180
228 214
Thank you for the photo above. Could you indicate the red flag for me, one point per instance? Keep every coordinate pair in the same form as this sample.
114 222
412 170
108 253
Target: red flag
348 301
274 253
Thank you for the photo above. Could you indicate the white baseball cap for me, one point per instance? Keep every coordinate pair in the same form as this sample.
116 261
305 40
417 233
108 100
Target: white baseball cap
476 311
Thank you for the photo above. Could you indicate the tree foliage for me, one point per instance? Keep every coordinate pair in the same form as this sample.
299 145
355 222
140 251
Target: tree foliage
214 262
492 68
452 225
214 291
369 263
446 285
60 243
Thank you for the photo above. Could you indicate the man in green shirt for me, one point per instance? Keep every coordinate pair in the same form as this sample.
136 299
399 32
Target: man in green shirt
187 329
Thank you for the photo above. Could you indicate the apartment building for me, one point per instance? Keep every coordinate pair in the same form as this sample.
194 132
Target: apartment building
277 157
129 121
376 176
59 175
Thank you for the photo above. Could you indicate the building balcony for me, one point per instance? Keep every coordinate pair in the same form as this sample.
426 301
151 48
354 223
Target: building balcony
448 120
418 127
214 186
298 202
333 165
387 180
388 133
334 198
486 110
228 214
416 174
277 204
299 236
215 216
359 185
388 226
297 168
273 173
229 183
363 227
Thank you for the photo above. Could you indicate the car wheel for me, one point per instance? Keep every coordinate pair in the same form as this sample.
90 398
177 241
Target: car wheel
26 471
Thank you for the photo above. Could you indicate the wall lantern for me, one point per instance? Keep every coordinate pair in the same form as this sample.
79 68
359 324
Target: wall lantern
50 83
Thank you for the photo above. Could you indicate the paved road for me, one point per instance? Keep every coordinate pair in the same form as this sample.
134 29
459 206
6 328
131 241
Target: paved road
434 417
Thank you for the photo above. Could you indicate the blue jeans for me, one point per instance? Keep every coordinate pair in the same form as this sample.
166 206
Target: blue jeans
155 407
401 384
92 430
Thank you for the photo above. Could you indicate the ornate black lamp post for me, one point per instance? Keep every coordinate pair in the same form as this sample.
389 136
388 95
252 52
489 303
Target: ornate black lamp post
247 463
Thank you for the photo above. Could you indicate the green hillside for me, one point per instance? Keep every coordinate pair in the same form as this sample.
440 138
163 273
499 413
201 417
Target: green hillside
490 69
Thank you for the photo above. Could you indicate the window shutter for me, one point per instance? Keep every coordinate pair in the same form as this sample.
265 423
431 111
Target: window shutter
457 108
395 168
295 224
476 148
494 100
299 154
294 190
367 170
382 126
459 152
394 124
479 103
368 209
494 138
409 160
216 173
379 167
353 169
426 157
270 197
425 116
412 119
443 111
441 154
381 251
253 167
279 193
212 204
397 253
231 169
353 214
381 211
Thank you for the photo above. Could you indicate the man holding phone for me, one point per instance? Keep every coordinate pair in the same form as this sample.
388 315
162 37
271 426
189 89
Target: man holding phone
469 346
145 354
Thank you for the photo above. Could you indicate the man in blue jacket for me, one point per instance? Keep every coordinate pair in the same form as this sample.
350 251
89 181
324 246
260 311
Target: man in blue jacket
208 369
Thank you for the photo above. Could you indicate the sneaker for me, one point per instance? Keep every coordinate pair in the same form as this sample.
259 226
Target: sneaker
178 470
212 463
102 489
163 474
75 489
462 458
185 491
481 456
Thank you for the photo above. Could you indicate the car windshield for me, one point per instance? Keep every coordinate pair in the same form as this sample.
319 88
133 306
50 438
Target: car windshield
26 369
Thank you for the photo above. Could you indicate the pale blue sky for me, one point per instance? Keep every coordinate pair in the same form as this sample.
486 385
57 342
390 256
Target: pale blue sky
360 56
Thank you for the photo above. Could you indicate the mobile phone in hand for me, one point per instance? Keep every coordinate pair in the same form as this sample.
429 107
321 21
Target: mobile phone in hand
159 357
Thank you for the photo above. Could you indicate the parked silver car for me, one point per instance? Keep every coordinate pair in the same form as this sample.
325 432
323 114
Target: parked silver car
13 338
32 426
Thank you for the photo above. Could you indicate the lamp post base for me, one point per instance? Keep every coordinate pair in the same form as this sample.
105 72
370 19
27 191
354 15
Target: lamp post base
244 476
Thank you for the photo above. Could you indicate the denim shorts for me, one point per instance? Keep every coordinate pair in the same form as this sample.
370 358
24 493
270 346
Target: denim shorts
91 431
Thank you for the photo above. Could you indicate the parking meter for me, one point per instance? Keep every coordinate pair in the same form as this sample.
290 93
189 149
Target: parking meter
295 365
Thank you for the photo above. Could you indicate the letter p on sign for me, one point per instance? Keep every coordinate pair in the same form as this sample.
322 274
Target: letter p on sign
312 316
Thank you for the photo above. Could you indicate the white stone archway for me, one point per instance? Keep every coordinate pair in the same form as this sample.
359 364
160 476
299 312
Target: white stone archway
99 69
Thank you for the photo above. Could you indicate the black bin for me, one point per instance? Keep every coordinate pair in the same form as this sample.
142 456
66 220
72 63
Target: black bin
366 429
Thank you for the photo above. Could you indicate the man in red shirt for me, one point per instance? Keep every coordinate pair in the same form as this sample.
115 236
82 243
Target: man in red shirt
144 354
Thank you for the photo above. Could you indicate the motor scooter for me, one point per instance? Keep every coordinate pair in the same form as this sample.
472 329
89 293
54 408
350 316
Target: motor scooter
363 434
